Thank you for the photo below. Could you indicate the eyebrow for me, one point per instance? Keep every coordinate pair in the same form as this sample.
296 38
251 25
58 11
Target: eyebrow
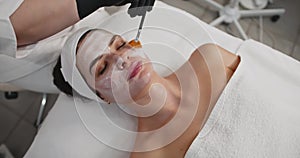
112 40
100 56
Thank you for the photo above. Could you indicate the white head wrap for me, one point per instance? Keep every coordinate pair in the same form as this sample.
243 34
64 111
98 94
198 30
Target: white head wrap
69 68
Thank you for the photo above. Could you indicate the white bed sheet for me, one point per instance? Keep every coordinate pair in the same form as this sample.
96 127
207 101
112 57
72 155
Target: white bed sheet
63 133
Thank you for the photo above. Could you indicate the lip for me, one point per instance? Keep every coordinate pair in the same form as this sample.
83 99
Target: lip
134 69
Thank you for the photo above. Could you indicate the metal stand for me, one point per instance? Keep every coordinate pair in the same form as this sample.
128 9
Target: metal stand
11 95
231 13
41 111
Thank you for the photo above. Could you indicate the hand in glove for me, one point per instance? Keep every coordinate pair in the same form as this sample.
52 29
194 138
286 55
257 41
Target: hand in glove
140 7
137 7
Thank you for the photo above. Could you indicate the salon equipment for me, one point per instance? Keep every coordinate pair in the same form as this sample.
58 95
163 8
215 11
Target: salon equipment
136 42
140 28
231 13
254 4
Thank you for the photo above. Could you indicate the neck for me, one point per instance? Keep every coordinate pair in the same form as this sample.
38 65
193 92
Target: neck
164 99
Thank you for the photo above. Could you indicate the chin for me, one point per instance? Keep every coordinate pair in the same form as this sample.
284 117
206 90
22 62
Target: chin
141 87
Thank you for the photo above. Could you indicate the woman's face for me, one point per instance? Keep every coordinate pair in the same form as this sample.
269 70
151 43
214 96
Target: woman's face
117 71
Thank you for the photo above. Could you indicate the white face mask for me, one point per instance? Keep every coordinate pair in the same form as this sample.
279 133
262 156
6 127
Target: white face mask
93 45
120 74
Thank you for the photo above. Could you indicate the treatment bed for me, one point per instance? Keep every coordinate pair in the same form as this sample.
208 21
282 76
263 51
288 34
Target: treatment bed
72 127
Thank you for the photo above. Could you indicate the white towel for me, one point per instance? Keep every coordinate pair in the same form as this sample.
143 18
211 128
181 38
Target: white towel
258 113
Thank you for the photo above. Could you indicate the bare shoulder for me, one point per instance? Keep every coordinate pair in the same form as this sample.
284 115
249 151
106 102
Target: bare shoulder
209 47
230 59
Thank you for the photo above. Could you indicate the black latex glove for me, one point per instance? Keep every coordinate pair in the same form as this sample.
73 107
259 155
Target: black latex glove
106 3
137 7
140 7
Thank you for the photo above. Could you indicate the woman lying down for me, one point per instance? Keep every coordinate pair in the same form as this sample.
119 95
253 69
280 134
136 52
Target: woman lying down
174 113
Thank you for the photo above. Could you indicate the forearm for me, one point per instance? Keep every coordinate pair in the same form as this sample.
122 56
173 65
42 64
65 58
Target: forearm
35 20
38 19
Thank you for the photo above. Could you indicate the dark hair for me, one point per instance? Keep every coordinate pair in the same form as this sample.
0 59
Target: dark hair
58 78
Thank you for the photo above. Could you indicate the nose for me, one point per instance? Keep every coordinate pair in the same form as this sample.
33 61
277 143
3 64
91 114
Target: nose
119 60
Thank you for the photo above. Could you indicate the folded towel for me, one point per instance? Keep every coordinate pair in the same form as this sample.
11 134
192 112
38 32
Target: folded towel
258 113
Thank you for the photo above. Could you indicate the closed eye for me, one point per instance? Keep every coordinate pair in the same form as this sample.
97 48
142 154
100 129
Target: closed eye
101 71
123 44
